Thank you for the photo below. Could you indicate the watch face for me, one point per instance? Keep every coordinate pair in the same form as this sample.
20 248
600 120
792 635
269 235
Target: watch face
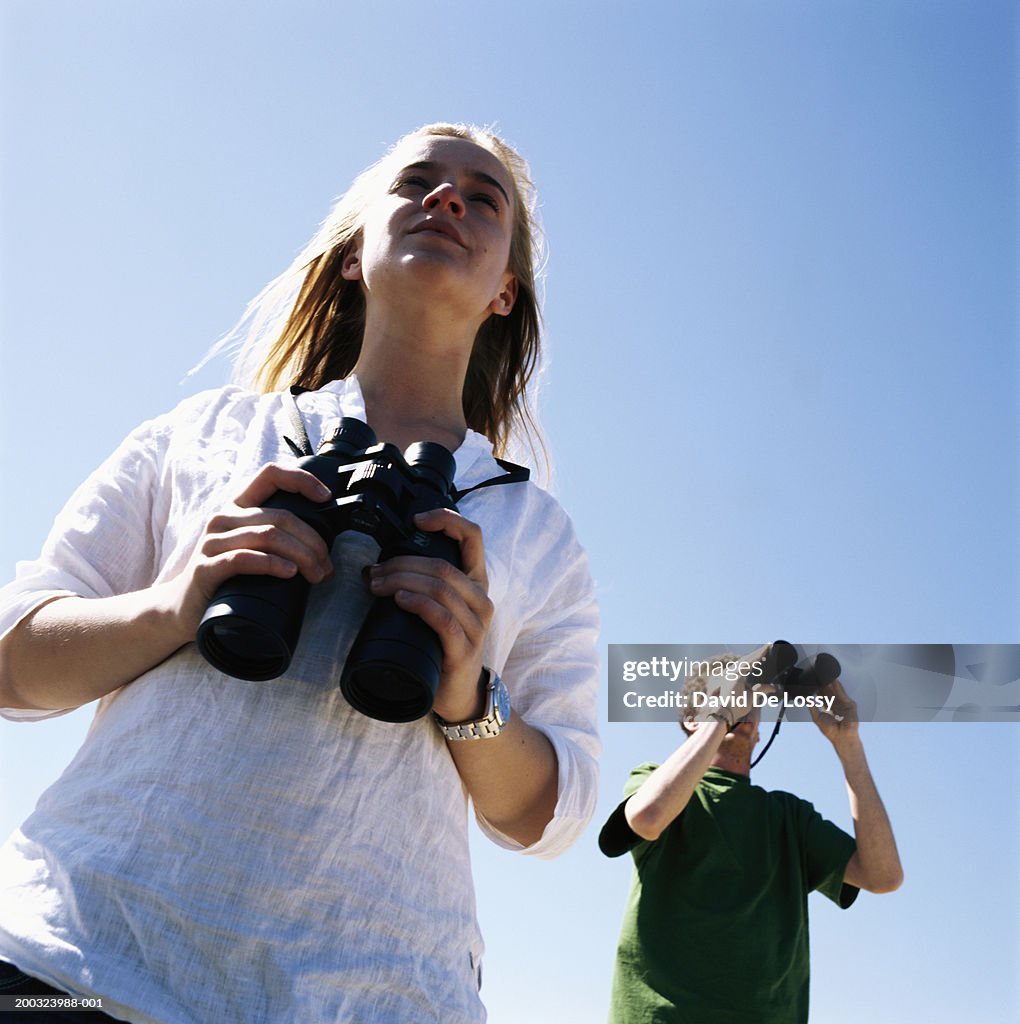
501 700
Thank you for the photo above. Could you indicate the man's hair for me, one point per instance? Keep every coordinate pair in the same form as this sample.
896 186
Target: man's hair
306 327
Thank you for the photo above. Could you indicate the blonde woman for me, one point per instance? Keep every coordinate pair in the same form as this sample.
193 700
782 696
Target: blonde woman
260 851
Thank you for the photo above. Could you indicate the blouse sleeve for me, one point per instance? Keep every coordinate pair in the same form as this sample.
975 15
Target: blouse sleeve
105 541
552 674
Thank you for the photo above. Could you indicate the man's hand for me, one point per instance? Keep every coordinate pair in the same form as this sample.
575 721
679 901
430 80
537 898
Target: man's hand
729 700
841 723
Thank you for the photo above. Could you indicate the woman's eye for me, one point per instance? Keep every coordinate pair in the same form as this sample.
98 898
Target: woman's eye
414 182
489 200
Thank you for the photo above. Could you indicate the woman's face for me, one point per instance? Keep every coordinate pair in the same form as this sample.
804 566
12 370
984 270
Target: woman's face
440 231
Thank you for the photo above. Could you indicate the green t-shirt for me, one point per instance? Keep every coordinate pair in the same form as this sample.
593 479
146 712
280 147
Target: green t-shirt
716 925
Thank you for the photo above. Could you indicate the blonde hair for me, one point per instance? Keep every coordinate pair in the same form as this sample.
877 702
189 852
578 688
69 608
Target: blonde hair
306 327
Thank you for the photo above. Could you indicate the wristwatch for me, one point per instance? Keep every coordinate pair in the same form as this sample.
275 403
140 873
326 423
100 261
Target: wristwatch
492 723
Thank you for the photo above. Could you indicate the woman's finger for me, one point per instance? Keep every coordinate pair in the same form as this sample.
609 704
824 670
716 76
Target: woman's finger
274 533
467 534
273 477
432 576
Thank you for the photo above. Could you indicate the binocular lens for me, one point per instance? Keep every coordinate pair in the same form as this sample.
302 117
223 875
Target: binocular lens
243 650
251 631
827 668
387 692
393 670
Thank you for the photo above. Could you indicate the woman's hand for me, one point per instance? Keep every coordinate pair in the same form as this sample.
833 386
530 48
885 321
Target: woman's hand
454 602
246 539
513 778
72 650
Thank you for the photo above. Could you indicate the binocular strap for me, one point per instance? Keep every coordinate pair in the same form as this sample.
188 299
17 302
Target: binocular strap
301 445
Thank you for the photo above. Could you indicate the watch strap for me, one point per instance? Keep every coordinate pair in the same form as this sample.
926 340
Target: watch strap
492 722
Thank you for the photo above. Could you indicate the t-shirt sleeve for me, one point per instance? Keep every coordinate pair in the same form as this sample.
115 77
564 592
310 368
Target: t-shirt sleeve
617 837
827 850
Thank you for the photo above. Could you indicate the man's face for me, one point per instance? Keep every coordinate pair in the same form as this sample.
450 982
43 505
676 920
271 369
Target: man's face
745 734
747 729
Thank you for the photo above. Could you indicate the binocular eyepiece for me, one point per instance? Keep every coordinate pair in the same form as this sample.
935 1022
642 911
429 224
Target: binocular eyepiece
252 625
800 677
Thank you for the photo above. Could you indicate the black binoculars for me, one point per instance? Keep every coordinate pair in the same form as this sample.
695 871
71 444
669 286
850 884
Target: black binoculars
252 625
797 676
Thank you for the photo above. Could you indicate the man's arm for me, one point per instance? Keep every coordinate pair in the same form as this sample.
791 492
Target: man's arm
667 791
875 865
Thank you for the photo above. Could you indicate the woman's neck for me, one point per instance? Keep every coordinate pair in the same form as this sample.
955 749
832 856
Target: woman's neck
413 388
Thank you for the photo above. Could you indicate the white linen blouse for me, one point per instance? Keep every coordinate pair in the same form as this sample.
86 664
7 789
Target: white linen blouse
232 851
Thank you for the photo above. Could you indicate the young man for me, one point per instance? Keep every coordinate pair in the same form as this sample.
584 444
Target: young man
716 926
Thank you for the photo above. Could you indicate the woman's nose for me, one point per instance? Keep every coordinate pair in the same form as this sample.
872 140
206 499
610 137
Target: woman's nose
446 198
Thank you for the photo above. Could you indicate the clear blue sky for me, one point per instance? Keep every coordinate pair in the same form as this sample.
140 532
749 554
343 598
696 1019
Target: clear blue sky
781 393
